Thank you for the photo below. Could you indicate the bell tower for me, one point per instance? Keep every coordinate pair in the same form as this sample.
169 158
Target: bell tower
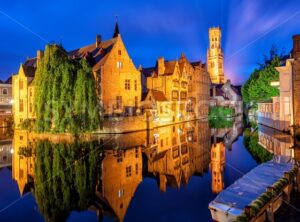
215 57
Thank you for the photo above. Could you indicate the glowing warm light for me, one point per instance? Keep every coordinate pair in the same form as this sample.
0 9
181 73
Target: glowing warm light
275 84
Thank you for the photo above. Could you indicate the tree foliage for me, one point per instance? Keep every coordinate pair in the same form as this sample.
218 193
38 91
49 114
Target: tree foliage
65 177
258 86
259 153
65 98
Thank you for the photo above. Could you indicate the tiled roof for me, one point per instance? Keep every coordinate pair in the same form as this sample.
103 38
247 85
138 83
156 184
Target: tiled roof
169 67
96 56
29 70
158 95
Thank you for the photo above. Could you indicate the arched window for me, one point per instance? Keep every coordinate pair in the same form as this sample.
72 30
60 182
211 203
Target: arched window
4 91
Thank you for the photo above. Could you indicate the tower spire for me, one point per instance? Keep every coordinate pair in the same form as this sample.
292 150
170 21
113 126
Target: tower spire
116 31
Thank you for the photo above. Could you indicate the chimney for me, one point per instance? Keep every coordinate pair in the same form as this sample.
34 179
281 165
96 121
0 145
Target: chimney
39 56
161 66
98 40
296 46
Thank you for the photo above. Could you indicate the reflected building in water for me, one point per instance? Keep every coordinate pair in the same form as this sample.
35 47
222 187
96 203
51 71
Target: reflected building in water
217 165
23 161
275 141
177 153
107 180
5 148
121 175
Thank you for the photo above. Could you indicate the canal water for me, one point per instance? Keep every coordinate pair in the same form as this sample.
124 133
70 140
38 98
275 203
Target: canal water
168 174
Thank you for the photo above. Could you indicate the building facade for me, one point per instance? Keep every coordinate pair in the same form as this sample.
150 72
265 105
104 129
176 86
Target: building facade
176 90
227 95
118 82
215 57
6 97
282 112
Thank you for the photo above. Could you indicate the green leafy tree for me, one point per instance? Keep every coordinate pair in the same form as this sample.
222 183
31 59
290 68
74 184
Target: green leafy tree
65 96
258 86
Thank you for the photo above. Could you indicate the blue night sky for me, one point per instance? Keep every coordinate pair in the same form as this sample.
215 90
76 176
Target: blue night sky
150 29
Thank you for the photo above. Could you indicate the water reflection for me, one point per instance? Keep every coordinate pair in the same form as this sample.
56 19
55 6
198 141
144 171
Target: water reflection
102 173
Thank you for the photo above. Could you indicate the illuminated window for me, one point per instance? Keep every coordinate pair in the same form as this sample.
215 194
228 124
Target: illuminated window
136 152
21 84
174 95
119 102
21 105
183 95
135 85
4 91
119 65
173 107
128 171
119 156
30 107
121 193
136 101
183 85
127 84
161 109
161 142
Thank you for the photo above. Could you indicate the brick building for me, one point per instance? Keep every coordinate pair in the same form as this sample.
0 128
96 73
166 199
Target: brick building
176 90
283 112
118 82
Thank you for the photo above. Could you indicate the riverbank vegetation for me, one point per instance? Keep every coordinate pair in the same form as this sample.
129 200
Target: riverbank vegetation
258 86
220 117
65 97
259 153
220 112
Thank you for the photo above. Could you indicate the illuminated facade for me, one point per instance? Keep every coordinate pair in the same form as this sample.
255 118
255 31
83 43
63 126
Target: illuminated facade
215 58
217 166
282 112
23 161
177 90
5 97
118 82
121 175
178 152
